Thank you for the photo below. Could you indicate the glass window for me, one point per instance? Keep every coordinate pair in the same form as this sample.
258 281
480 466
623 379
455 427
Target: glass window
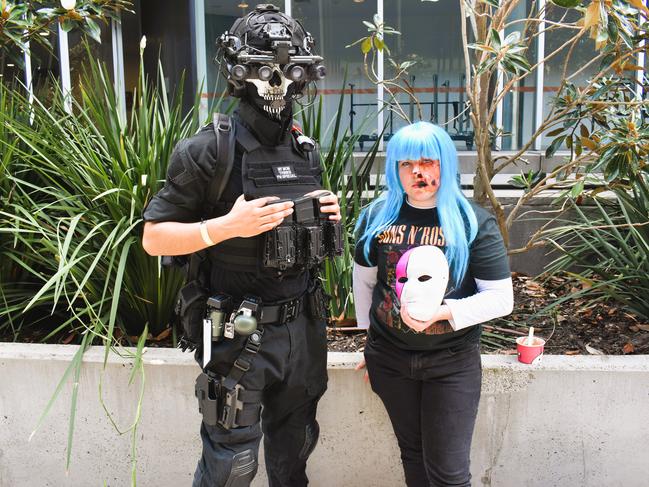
431 36
335 24
45 66
518 105
12 67
167 27
77 42
554 68
131 36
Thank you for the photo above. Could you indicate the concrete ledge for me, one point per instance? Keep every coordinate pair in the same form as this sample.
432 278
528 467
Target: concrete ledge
570 421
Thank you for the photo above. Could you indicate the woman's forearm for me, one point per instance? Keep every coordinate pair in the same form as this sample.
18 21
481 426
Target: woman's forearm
364 280
493 299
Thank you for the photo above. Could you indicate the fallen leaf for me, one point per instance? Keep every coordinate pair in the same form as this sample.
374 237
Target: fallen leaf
164 334
628 348
572 352
593 351
634 328
643 327
69 338
533 285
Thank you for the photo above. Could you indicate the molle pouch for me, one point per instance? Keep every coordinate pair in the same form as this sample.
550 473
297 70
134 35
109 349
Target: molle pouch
333 238
314 245
318 302
279 247
192 308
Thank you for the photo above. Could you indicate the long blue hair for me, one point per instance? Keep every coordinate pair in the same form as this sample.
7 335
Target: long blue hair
457 218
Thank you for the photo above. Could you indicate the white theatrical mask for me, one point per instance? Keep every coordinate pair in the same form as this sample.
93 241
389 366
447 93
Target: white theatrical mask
422 277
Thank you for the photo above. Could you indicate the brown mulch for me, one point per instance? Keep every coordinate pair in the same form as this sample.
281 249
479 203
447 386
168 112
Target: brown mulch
571 329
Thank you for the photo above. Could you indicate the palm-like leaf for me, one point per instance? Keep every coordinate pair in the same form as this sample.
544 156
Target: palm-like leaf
608 248
79 184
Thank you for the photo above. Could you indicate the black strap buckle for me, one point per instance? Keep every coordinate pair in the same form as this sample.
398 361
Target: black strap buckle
242 364
289 311
223 123
253 344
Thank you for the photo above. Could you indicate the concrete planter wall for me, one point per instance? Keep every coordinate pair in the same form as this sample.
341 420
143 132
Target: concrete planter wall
571 421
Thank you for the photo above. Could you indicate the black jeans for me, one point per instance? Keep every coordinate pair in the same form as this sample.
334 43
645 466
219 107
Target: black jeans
432 400
291 370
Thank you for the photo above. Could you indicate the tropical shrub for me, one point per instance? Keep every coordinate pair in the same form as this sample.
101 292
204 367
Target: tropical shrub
607 248
78 185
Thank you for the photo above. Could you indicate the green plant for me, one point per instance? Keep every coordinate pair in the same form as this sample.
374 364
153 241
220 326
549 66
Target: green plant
22 21
79 226
607 248
16 283
73 190
351 182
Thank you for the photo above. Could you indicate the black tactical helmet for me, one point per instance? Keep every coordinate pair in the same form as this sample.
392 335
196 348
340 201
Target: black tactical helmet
264 41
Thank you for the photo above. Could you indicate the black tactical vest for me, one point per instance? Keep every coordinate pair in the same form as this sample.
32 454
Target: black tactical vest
283 170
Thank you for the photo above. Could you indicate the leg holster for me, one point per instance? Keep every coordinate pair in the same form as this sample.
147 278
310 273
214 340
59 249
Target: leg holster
228 407
222 400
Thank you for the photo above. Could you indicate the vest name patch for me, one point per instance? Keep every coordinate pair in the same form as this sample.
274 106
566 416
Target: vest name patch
285 173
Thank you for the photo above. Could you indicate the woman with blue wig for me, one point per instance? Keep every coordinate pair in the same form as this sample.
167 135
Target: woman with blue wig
429 268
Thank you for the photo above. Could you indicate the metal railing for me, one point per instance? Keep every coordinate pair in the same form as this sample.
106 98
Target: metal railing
455 119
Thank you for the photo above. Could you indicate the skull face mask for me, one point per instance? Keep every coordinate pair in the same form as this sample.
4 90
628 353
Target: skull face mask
422 276
271 90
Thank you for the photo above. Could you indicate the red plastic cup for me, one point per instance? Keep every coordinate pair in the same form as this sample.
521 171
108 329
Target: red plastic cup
530 354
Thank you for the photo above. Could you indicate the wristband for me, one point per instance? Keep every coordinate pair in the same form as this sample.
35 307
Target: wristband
204 235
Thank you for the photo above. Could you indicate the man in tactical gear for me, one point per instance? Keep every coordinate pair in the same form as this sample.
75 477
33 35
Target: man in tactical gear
243 200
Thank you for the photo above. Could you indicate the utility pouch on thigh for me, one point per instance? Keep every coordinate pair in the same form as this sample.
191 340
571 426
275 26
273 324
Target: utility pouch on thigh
192 306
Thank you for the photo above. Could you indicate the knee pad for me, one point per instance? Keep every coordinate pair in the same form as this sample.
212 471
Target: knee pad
311 433
243 470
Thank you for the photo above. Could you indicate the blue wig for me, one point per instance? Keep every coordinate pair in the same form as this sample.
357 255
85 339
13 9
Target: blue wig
457 218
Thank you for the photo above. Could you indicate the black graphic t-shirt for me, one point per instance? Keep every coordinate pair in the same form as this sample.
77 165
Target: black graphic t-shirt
415 227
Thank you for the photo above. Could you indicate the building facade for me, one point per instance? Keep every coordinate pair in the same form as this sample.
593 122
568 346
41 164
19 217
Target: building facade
182 35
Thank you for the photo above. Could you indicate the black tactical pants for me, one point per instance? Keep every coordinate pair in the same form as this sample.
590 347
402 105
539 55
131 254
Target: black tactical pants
291 370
